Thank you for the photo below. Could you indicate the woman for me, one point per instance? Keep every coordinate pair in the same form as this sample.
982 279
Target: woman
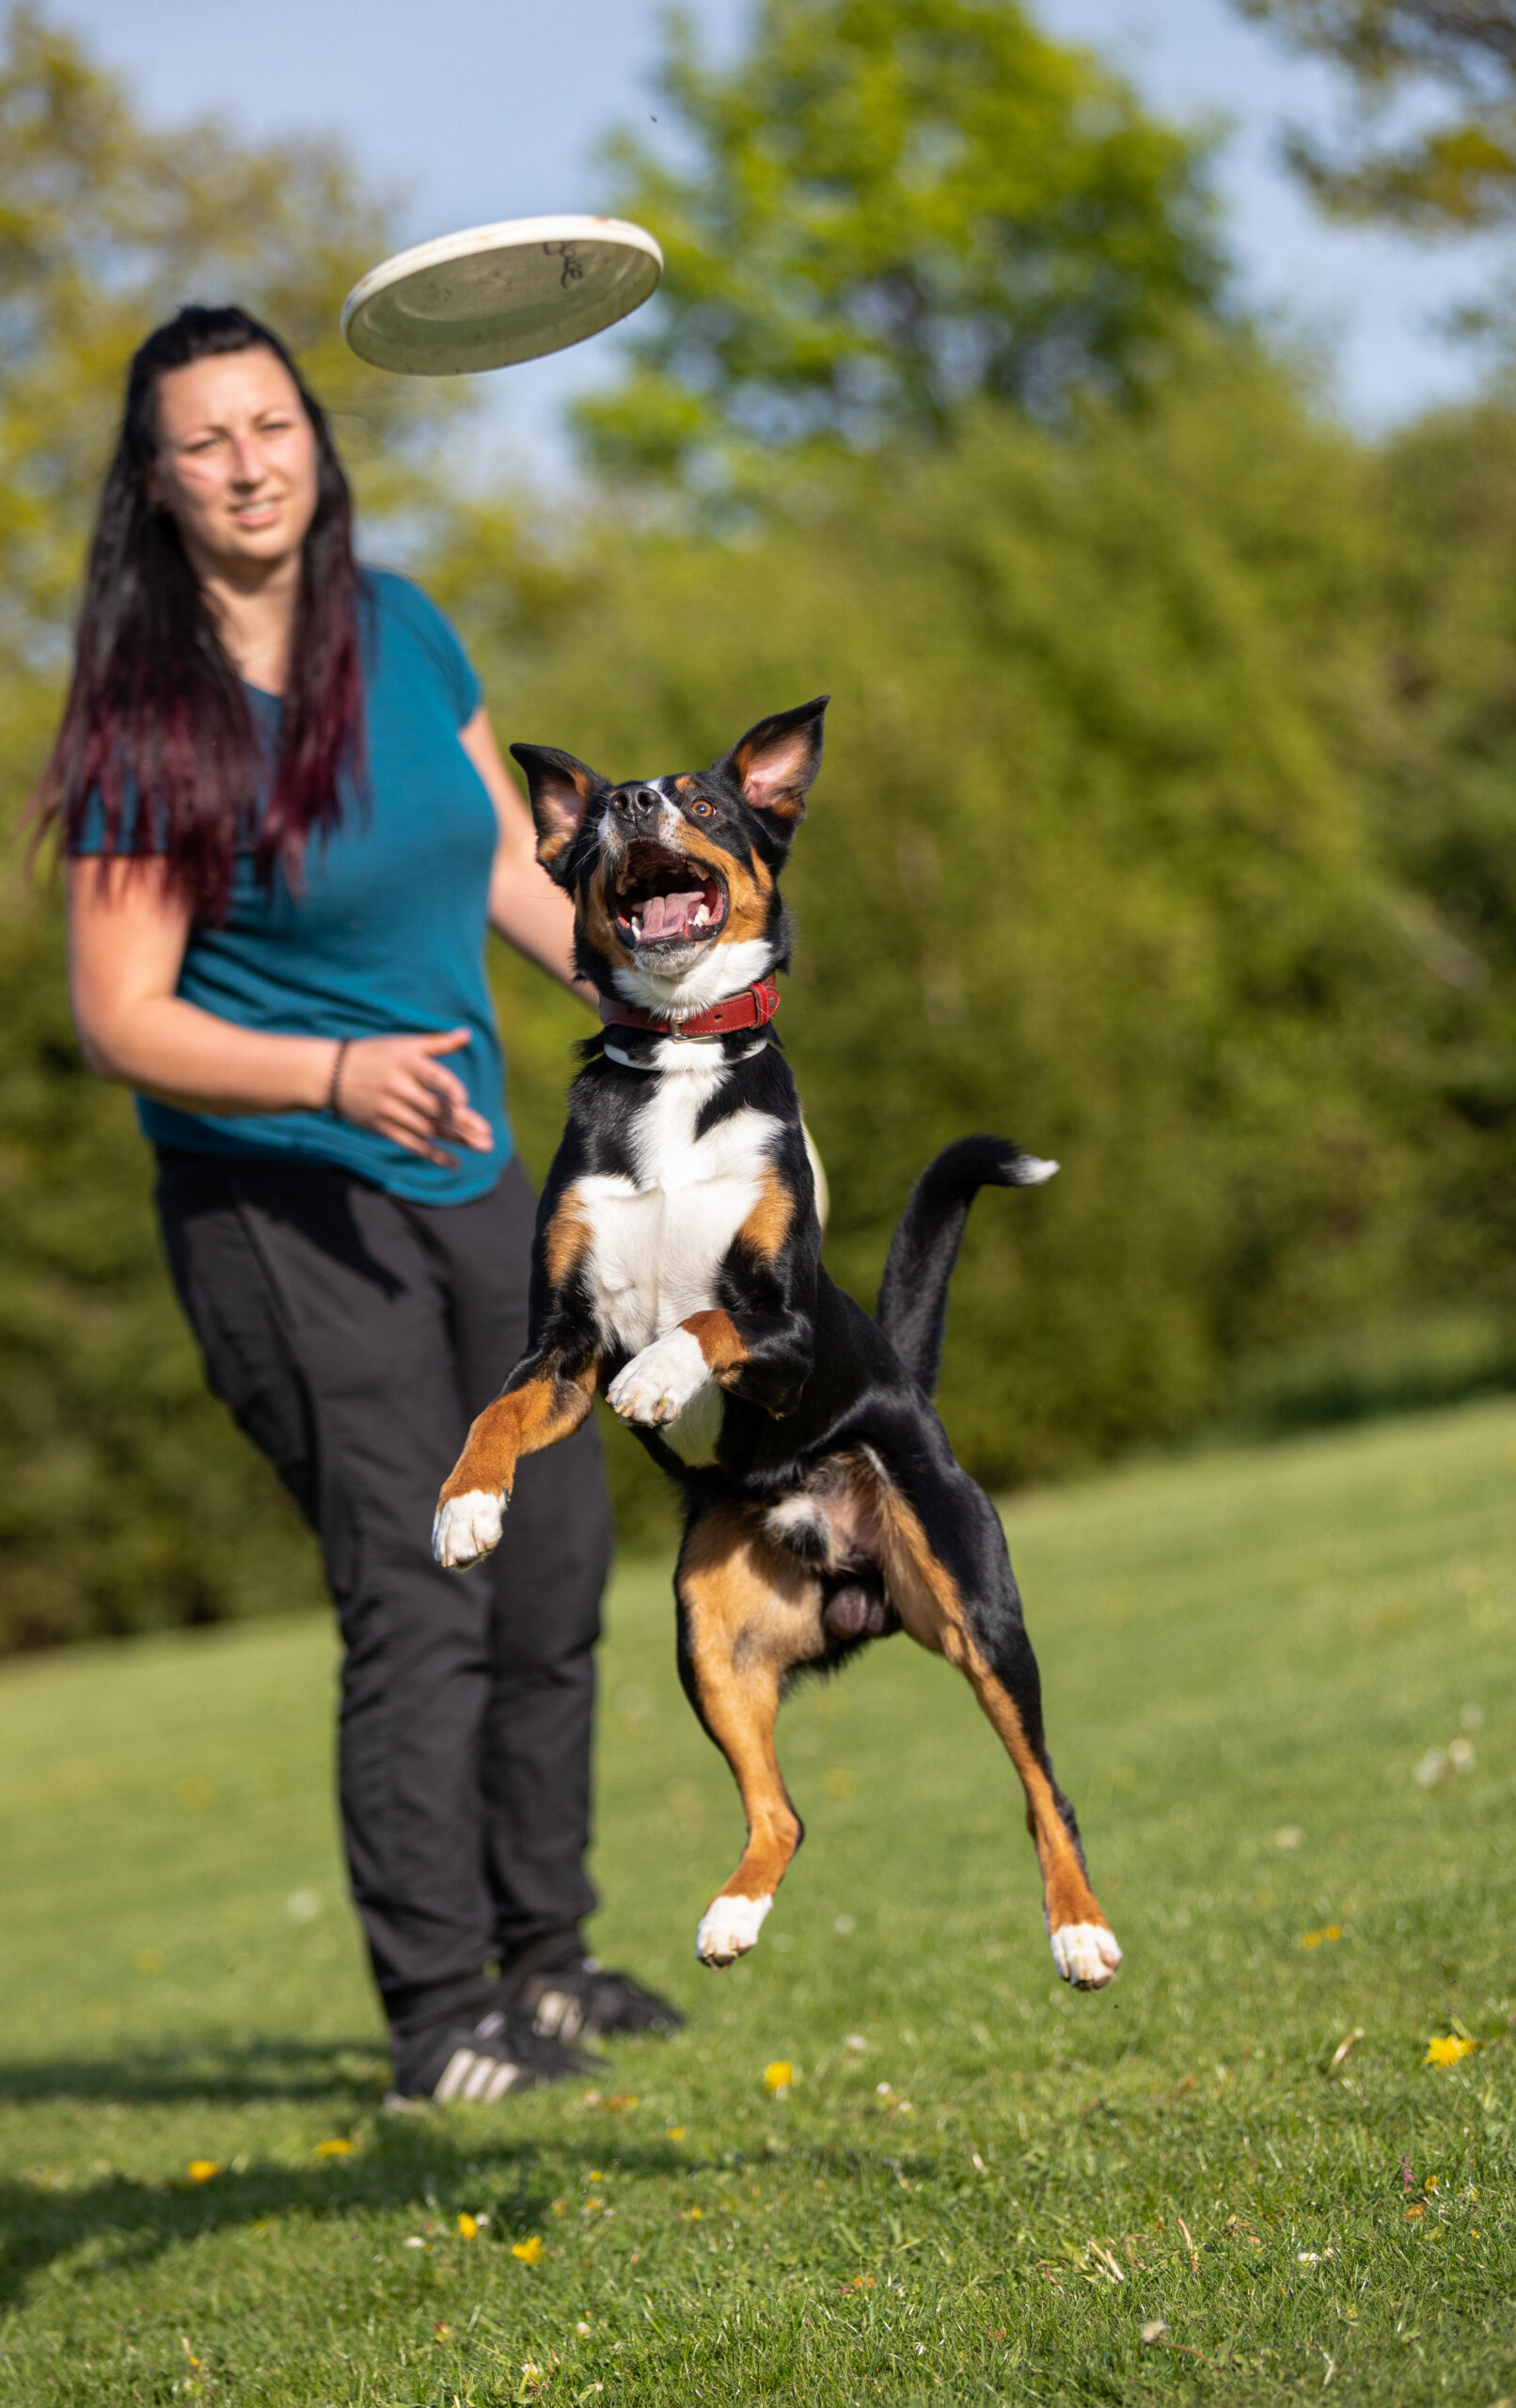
289 828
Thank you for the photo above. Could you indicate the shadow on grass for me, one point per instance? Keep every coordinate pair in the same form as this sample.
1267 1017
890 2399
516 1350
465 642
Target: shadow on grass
350 2073
426 2167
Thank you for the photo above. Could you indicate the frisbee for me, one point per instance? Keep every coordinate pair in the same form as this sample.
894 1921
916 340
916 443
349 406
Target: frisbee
495 295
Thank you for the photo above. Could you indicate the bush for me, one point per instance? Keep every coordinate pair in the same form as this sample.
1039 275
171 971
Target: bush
1097 859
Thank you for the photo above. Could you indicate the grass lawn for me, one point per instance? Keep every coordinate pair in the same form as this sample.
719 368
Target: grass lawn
977 2187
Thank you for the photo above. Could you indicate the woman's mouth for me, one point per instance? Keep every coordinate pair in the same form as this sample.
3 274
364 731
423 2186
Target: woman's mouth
663 898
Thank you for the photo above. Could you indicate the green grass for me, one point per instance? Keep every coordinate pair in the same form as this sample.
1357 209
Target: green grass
1237 1648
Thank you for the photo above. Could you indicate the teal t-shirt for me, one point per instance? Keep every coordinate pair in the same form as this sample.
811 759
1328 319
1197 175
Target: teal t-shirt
385 931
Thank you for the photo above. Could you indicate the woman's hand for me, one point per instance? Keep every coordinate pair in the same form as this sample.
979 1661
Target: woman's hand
398 1086
128 932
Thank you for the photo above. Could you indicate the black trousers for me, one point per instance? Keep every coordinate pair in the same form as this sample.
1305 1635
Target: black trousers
354 1337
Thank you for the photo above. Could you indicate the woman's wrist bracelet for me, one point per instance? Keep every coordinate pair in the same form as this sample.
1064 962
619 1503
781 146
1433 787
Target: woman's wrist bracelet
334 1088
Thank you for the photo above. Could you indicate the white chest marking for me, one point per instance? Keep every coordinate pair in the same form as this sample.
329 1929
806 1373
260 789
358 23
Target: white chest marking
657 1239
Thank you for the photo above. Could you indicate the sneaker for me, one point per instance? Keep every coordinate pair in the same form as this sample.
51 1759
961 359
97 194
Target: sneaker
481 2061
586 2001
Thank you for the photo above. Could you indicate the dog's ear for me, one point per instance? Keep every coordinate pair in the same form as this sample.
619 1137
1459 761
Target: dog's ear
775 762
562 791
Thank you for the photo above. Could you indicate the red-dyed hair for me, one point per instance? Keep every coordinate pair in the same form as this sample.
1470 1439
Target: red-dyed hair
156 713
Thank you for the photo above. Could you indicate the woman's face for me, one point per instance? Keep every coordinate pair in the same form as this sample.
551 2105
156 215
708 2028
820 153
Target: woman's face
236 462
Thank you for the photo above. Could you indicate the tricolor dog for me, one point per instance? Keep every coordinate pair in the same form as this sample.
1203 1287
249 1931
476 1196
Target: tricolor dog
677 1270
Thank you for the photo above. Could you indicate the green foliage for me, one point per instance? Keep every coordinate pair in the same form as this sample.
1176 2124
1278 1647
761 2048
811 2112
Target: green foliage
1096 861
895 206
1246 1658
1457 173
106 227
129 1501
1443 739
1168 823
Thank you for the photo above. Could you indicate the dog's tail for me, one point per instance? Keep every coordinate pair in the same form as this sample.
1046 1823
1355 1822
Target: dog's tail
912 1304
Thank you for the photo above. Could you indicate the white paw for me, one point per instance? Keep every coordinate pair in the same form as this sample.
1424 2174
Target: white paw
1085 1954
466 1527
729 1929
657 1384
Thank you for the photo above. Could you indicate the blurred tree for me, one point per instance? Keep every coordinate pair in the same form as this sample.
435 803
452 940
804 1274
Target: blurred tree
1443 494
1166 822
1097 859
1454 174
895 206
126 1497
107 225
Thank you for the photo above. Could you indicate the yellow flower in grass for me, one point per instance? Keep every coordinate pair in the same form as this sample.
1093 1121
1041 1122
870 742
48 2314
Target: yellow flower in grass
530 2251
202 2169
333 2148
1446 2050
778 2076
468 2226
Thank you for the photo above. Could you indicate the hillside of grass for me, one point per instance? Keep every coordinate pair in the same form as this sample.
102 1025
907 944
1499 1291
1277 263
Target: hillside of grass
1282 1689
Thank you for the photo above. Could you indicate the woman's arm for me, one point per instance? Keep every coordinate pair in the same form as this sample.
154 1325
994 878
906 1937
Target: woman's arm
526 907
128 928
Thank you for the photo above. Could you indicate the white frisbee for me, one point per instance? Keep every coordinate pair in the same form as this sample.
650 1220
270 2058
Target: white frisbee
498 295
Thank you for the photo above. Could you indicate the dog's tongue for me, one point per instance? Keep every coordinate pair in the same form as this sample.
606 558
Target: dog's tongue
668 915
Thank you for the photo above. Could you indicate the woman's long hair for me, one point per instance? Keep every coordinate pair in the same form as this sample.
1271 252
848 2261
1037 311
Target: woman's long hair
159 751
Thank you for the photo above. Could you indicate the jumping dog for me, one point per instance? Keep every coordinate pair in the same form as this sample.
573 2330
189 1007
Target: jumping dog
676 1264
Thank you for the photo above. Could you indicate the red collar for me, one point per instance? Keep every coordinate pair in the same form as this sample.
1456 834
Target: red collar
753 1008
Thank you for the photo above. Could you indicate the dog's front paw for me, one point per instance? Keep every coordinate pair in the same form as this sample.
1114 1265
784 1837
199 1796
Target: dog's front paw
466 1527
729 1929
1085 1954
657 1384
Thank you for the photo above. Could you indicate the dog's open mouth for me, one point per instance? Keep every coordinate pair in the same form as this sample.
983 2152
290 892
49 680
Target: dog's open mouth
662 898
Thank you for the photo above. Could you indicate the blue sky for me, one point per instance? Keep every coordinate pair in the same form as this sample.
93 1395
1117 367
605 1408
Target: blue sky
479 109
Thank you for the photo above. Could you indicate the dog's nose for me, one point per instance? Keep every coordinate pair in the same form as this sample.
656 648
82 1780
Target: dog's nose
641 804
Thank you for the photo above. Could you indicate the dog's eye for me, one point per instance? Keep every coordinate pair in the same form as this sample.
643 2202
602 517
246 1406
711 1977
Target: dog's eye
703 811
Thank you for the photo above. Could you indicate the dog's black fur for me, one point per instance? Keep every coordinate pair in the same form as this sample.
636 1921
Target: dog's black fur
825 1506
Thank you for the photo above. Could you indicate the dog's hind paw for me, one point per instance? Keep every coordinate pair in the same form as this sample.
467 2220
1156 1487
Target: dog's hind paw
1085 1954
466 1527
729 1929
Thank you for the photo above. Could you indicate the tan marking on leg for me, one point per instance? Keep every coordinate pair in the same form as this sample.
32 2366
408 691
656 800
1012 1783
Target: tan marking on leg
566 1238
715 1333
768 1224
1067 1896
752 1612
925 1596
522 1422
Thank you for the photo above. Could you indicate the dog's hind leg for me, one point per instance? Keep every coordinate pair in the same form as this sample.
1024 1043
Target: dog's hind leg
1003 1672
749 1613
958 1597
